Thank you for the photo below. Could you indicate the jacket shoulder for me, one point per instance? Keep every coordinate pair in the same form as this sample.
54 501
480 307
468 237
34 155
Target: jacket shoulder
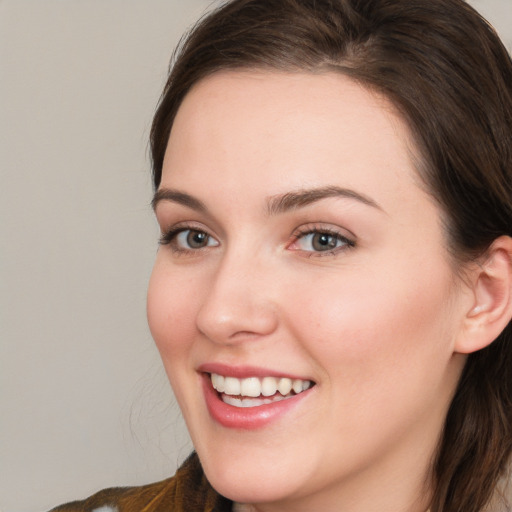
187 491
124 499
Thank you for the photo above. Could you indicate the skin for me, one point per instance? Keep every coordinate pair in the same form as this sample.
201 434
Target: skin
373 323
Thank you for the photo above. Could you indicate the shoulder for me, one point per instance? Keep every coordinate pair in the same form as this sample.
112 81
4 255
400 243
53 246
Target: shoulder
188 490
124 499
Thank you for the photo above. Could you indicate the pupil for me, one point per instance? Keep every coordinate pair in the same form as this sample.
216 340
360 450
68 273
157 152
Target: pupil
196 239
324 241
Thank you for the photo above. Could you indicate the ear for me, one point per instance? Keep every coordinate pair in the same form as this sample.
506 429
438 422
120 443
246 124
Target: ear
491 286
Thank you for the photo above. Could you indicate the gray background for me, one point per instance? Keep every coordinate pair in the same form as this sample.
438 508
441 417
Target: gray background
84 403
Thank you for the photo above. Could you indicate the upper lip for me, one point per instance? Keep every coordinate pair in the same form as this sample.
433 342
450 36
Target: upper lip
243 372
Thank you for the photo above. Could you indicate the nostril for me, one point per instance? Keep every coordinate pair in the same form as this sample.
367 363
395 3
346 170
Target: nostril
231 321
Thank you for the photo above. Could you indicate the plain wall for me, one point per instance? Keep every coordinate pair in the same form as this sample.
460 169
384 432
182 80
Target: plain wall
84 402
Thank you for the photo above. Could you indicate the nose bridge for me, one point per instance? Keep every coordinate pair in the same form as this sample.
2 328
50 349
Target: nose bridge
238 304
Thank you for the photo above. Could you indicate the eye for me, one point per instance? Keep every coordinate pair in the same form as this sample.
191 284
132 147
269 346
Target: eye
187 239
320 241
194 239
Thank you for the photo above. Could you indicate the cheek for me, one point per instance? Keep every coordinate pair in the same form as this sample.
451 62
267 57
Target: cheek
383 350
171 318
169 311
375 323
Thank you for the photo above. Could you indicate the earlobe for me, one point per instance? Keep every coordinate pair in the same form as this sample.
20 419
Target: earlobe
491 310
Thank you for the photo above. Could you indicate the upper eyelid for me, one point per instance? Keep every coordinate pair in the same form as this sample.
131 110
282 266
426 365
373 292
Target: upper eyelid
184 225
350 240
161 212
321 227
169 234
167 219
335 234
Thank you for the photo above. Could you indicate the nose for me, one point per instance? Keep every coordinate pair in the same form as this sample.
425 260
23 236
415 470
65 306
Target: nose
238 305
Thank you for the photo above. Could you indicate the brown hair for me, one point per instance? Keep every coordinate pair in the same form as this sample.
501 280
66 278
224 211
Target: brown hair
450 77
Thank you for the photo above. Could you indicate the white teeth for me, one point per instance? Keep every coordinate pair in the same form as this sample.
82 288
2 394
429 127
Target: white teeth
250 402
231 386
253 387
250 387
285 386
297 385
268 386
218 382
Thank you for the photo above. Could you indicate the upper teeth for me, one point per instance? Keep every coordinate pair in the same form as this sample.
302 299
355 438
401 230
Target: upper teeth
254 386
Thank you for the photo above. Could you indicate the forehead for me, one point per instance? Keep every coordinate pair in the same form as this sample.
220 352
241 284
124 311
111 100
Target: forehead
264 102
284 129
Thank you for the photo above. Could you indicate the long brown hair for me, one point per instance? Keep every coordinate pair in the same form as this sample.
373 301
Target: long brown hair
450 77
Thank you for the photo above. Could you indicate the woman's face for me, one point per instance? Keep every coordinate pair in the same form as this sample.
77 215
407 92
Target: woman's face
300 250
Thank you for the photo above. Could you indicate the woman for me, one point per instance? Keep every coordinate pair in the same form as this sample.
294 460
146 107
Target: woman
332 298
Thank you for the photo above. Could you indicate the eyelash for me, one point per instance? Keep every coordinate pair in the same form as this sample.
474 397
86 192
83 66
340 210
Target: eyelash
169 238
301 233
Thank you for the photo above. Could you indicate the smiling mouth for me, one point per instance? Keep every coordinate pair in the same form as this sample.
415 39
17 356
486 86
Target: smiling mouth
255 391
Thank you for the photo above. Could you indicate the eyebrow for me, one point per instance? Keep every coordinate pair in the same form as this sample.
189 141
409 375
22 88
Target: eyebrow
167 194
301 198
275 204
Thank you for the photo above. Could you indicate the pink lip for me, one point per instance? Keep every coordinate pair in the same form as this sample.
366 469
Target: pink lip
242 372
248 418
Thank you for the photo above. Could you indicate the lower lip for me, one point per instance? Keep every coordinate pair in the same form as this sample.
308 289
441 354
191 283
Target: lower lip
246 418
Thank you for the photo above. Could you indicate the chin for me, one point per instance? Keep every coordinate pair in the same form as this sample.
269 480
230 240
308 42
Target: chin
257 489
255 479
